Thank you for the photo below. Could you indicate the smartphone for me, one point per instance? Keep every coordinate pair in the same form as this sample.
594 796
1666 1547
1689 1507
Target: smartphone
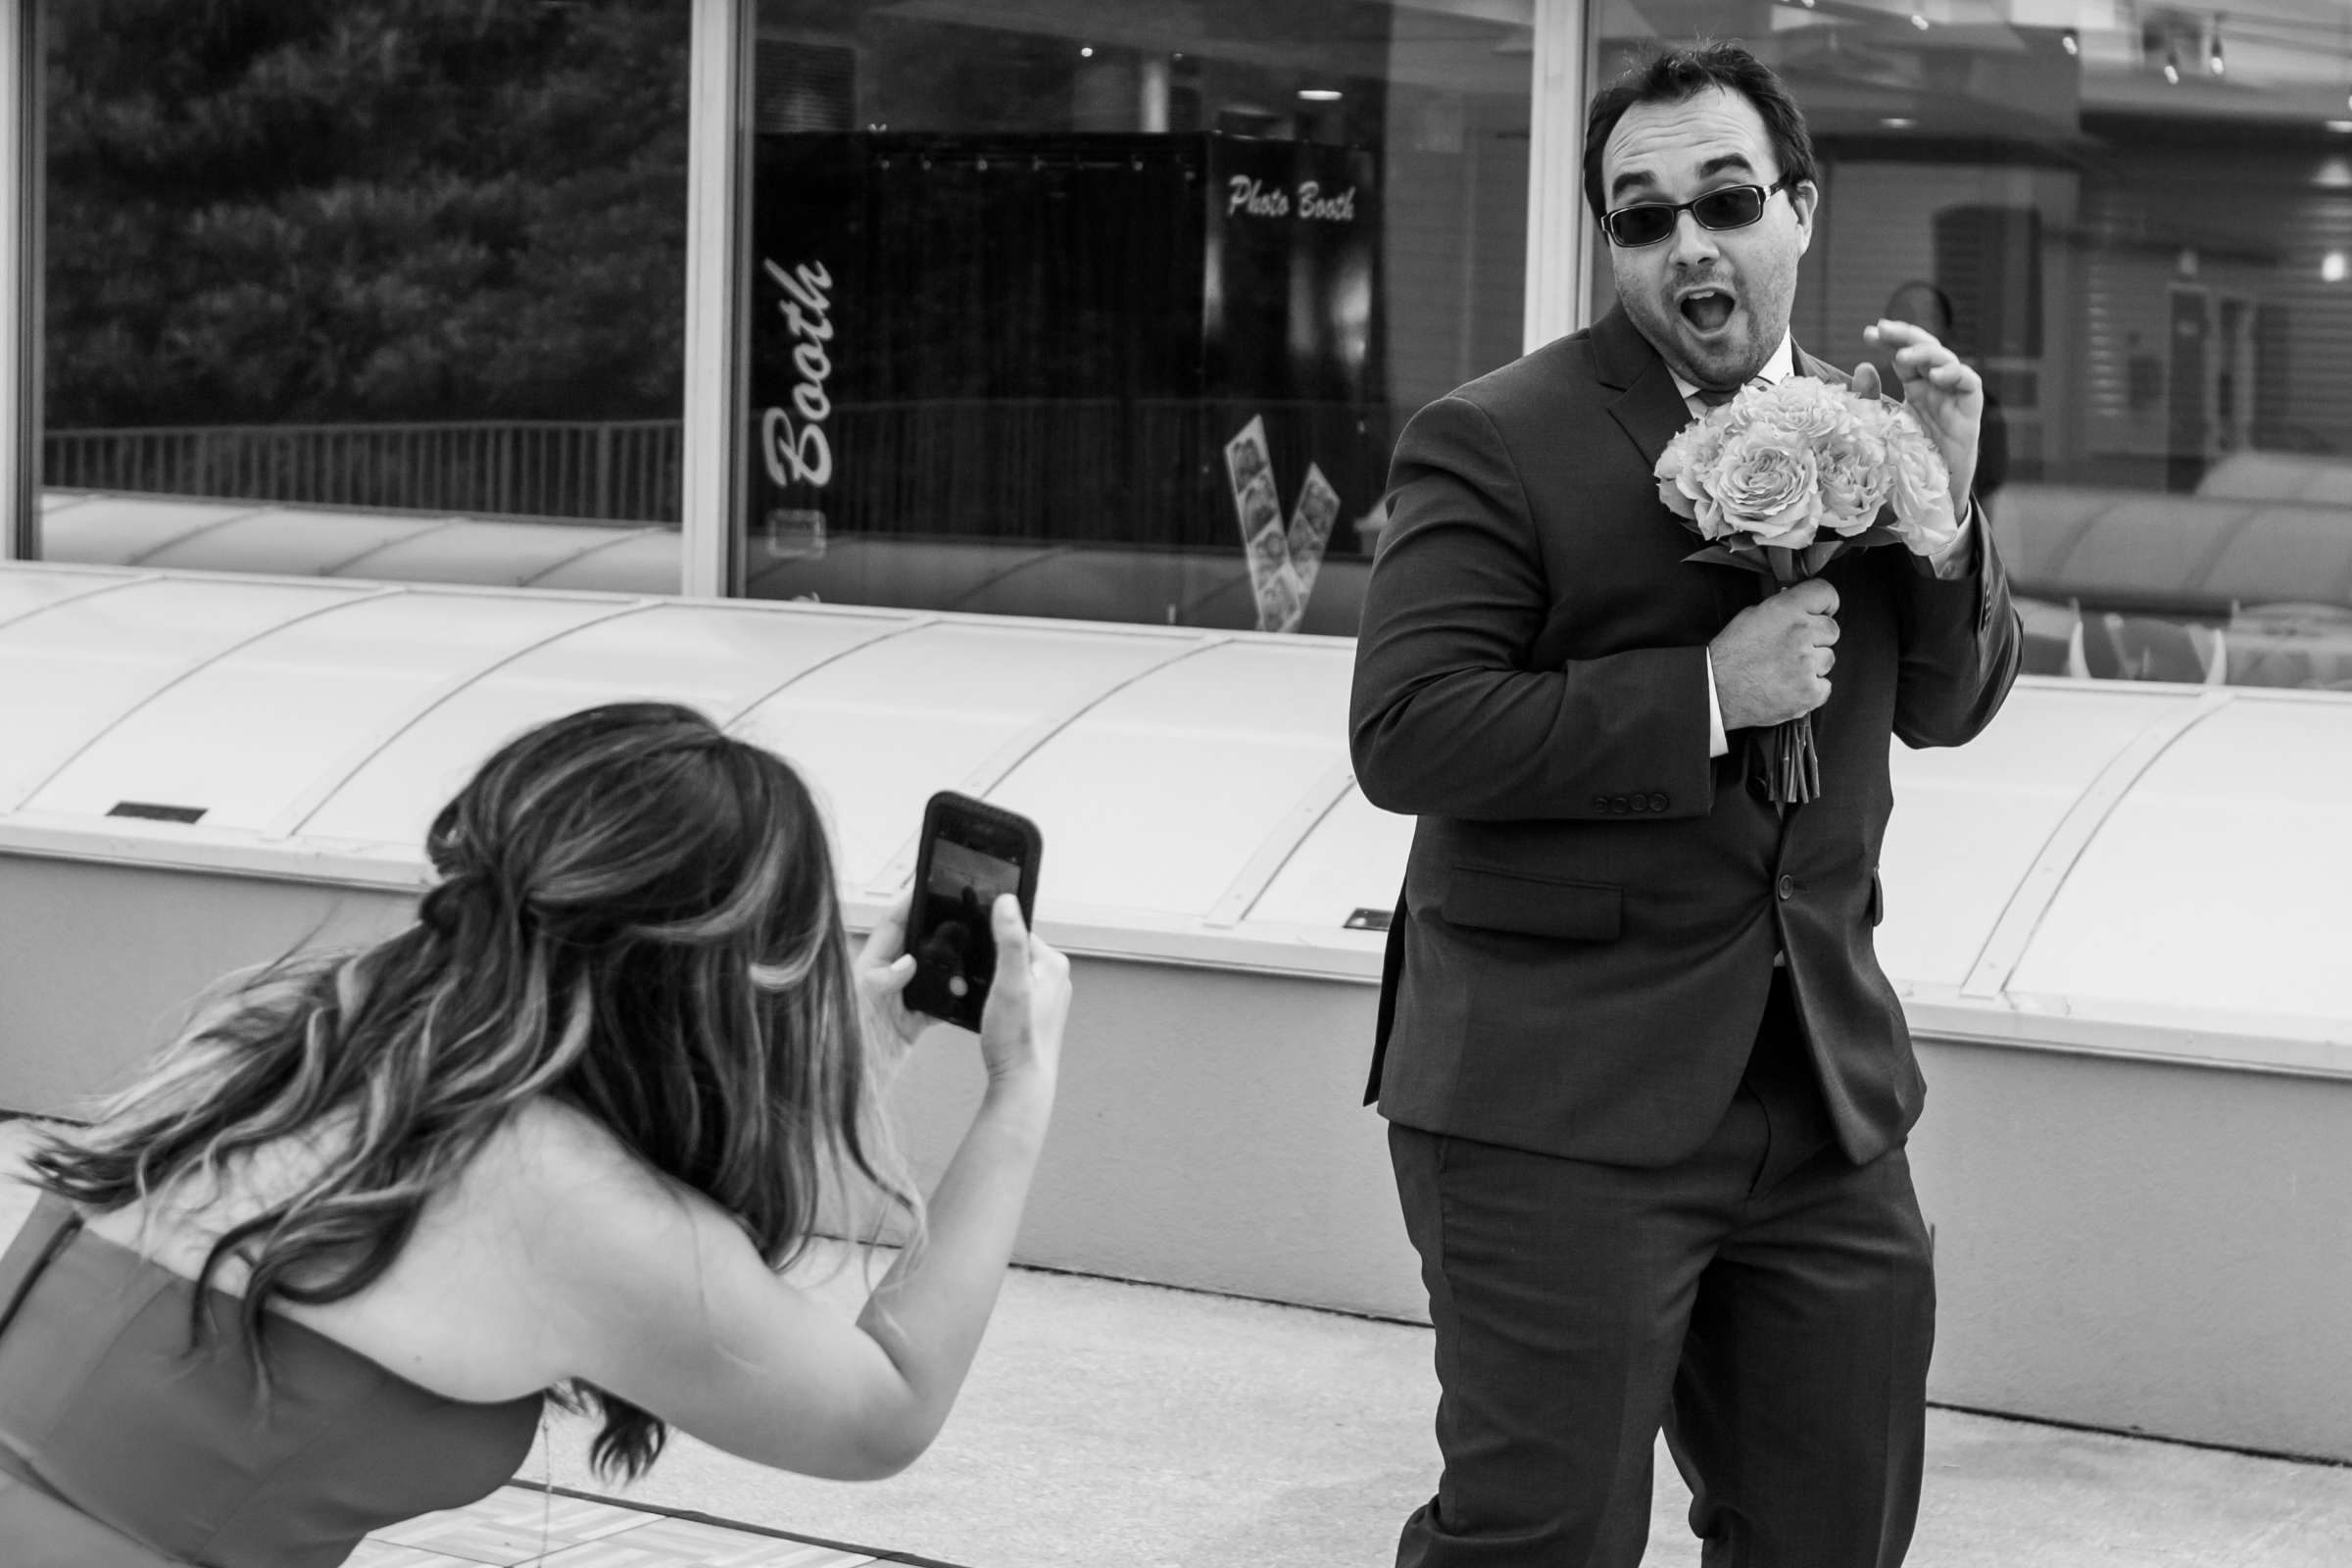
970 853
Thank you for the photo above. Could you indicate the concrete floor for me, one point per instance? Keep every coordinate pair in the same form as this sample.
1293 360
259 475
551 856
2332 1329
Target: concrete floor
1114 1424
1110 1425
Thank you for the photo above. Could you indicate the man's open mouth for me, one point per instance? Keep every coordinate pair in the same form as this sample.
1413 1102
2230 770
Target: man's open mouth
1706 308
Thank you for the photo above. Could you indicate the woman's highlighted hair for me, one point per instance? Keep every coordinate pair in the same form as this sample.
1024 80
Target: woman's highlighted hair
635 914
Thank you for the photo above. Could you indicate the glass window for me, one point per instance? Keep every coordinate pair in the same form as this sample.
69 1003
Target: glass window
1107 310
390 290
2135 224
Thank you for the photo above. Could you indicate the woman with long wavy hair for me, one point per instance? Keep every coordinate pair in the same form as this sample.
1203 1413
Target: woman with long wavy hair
318 1268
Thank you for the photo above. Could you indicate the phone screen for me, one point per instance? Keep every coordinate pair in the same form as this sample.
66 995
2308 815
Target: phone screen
971 863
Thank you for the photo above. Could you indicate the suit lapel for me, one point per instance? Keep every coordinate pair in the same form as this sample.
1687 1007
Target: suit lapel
1651 410
1818 369
1647 407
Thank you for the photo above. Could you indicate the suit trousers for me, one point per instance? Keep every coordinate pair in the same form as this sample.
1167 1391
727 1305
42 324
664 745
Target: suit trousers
1768 1303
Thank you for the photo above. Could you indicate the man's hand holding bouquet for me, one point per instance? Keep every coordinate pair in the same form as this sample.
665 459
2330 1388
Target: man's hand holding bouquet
1783 479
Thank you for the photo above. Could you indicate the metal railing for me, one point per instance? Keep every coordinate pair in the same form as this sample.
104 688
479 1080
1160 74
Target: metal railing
1096 471
1112 471
620 470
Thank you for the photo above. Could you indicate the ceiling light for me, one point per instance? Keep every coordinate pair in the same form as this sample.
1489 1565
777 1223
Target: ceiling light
2214 60
2172 67
2071 41
2340 126
1898 122
1919 22
1086 50
2331 268
1320 95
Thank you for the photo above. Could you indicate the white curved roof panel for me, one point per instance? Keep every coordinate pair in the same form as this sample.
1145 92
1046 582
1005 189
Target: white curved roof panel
2302 544
1972 822
2318 478
634 560
288 541
73 671
2131 867
938 705
1333 871
1158 797
2216 886
717 659
467 551
109 530
242 736
22 593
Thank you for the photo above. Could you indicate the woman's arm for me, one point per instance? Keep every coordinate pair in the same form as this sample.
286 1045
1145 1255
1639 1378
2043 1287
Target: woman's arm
655 1294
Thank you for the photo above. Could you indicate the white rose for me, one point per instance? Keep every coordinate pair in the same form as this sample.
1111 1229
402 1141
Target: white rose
1766 485
1922 494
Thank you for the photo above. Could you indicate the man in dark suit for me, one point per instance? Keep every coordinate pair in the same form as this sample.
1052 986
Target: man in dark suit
1648 1088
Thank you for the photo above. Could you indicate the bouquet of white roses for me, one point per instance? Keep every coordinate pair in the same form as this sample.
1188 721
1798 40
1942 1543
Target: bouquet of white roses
1781 479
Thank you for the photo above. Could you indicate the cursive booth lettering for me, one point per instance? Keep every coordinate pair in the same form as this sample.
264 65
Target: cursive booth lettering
1253 198
801 452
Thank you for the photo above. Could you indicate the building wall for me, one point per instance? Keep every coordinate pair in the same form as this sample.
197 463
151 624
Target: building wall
2125 1243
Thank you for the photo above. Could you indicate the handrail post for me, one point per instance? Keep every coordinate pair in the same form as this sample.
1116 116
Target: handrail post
604 469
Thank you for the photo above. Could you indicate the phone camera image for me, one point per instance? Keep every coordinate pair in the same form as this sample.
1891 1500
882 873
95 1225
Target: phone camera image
971 855
957 949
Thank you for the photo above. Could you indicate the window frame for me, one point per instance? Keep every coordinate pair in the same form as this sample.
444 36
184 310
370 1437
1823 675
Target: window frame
1559 232
21 250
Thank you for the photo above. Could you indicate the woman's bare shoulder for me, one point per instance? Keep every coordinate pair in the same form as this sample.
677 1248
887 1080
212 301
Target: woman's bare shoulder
564 1186
551 1156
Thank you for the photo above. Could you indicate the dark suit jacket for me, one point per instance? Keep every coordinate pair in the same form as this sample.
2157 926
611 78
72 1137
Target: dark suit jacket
1591 908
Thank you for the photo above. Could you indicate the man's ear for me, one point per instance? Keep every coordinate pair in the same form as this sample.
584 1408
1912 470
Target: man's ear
1805 199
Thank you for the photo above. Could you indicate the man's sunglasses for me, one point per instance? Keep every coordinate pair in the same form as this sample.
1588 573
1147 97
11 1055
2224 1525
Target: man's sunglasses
1647 222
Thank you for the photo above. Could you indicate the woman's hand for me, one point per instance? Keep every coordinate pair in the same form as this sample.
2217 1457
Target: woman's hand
884 966
1028 1002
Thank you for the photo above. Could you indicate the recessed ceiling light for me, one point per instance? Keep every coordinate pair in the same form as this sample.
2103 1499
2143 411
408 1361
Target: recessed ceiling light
1898 122
1086 52
2340 126
1320 95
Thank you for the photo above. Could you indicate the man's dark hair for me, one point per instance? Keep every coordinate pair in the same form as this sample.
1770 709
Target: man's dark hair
1674 75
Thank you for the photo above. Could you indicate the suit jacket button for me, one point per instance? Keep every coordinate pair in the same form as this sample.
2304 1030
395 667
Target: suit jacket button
1657 803
1788 887
1617 804
1601 803
1638 803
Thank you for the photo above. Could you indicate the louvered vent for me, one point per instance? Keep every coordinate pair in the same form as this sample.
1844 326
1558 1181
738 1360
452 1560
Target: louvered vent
804 86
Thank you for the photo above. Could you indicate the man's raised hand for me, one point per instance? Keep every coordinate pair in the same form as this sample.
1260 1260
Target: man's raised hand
1946 395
